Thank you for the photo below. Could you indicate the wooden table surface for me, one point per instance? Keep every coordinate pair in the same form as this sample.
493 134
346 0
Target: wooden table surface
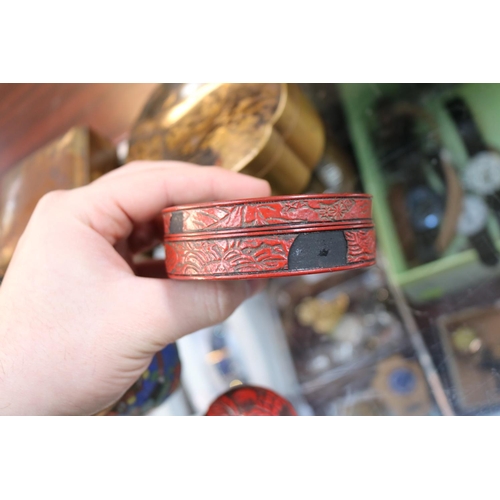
31 115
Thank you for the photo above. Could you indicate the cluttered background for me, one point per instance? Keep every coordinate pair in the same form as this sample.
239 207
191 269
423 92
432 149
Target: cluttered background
414 335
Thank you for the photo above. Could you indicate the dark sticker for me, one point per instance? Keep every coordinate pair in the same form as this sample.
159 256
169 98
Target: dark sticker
176 223
318 250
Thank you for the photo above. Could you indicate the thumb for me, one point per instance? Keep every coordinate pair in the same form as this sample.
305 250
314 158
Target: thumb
176 308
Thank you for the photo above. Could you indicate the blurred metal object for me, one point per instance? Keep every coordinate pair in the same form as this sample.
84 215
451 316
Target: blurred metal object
73 160
268 130
335 170
322 315
471 347
465 340
401 385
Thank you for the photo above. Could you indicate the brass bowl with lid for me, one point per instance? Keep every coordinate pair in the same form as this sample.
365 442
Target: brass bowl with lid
268 130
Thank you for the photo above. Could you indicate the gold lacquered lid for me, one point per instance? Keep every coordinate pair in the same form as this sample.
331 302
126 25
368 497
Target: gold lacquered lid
268 130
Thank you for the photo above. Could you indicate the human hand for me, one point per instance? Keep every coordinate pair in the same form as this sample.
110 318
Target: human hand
79 322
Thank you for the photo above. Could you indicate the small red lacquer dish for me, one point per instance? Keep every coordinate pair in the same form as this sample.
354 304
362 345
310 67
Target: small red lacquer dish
269 237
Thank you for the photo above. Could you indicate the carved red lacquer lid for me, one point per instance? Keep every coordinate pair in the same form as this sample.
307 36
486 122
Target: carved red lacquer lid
266 213
251 401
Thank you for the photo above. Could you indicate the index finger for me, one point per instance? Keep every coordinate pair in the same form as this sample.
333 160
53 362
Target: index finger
112 205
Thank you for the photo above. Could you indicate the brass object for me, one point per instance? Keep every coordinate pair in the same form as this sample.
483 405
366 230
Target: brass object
322 315
73 160
412 398
465 340
475 386
268 130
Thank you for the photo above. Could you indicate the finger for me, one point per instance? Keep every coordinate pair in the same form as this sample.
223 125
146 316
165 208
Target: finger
112 208
142 165
176 308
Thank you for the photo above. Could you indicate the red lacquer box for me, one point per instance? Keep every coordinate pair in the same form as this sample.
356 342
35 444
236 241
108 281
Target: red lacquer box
269 237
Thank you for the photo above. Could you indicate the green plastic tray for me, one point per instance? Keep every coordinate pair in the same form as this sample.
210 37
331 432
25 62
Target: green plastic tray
455 269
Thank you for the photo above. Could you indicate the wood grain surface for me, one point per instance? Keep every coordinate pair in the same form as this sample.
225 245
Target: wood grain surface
32 115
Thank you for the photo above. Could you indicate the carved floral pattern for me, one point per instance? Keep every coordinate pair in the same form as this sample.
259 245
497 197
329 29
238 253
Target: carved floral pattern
264 254
228 256
360 245
266 214
337 211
